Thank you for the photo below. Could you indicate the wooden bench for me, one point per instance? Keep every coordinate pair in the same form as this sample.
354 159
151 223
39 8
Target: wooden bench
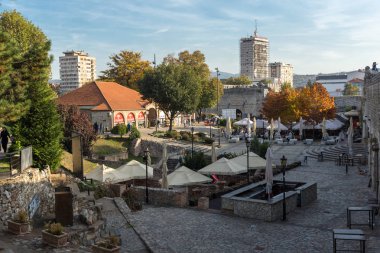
350 237
361 209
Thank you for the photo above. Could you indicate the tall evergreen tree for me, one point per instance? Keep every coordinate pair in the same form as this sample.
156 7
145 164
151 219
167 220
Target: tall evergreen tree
40 126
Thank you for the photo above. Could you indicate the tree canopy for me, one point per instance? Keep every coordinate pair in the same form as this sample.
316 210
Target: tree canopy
241 80
312 103
350 90
174 87
126 68
211 91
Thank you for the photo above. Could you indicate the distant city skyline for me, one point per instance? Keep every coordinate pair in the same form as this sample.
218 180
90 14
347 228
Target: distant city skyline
314 36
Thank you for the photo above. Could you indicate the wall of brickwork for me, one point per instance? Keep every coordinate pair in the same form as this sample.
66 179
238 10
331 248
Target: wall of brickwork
347 102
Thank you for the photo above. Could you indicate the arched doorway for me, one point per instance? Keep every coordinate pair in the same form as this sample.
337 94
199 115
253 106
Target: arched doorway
131 119
152 117
239 114
119 119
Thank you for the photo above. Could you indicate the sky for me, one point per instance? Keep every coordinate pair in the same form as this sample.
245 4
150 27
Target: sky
315 36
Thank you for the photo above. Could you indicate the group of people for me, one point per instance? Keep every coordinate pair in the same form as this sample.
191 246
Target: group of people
5 137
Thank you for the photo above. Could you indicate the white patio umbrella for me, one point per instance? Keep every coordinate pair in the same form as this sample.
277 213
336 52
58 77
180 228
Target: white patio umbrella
184 176
249 126
228 127
135 170
301 128
243 122
350 136
164 182
255 161
269 171
324 131
271 129
254 126
279 124
223 167
213 152
103 173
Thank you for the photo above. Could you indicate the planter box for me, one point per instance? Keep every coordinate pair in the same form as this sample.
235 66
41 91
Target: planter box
54 240
18 228
98 249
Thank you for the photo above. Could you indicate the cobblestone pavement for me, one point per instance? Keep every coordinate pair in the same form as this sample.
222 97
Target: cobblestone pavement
307 229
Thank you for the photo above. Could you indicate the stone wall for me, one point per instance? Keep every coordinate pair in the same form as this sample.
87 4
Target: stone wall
307 194
29 190
344 102
163 197
155 148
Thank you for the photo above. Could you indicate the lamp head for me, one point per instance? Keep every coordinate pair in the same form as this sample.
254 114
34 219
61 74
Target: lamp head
283 160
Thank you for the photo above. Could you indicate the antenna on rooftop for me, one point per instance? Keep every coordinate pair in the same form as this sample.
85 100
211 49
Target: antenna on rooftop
255 32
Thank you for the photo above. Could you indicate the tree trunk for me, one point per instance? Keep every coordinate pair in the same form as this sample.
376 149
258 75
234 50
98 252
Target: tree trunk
199 115
171 123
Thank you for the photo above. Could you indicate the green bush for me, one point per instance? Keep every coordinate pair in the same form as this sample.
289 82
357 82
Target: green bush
259 148
222 122
119 129
227 155
200 135
209 140
172 134
198 161
185 136
135 134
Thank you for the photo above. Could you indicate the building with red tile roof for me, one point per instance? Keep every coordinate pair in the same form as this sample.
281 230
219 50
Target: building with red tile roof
109 103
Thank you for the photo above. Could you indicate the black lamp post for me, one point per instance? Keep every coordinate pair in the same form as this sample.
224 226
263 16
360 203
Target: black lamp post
248 144
146 158
283 163
210 131
192 142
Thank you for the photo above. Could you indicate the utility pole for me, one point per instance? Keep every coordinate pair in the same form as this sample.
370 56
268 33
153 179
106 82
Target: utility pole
217 91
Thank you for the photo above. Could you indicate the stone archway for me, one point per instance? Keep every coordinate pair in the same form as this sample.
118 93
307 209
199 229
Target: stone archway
239 114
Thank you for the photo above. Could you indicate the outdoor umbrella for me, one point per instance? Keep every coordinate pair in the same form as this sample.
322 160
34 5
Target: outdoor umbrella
243 122
223 167
213 152
255 161
228 127
103 173
350 134
324 131
301 128
164 182
269 171
249 126
135 170
254 126
271 129
184 176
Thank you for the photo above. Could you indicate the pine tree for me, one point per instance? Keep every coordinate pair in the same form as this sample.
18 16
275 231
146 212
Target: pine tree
41 126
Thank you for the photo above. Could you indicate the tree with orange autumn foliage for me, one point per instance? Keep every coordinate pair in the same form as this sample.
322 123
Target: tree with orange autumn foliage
311 102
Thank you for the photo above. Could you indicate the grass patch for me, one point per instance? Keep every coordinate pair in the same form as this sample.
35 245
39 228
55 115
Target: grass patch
110 146
67 162
4 166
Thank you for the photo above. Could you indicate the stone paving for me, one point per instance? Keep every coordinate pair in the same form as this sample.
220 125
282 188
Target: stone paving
307 229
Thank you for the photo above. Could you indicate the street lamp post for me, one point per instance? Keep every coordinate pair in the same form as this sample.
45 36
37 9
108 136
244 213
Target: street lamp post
210 131
147 119
217 91
248 145
283 163
146 158
192 142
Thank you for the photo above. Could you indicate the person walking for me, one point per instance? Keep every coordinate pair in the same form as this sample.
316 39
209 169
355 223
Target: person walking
4 139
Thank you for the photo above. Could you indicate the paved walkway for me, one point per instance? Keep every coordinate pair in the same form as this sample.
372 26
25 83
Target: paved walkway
308 229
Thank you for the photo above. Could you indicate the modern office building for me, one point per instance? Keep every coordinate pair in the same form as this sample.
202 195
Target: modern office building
281 72
334 83
254 57
76 69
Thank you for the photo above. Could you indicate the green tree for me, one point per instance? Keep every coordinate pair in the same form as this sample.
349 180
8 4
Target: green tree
241 80
40 126
120 129
350 90
211 91
126 68
174 87
13 102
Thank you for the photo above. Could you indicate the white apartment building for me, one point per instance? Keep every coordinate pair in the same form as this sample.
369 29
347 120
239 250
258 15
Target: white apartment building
254 57
76 69
281 73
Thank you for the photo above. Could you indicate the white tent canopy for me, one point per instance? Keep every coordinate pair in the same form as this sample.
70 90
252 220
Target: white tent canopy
103 173
223 167
184 176
134 170
243 122
275 126
306 125
255 161
332 124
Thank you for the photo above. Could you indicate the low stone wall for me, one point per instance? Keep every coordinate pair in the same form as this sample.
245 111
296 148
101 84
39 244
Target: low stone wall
155 148
113 158
163 197
264 210
30 191
306 194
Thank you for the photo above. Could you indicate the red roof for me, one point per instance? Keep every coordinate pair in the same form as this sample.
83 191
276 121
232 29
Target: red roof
104 96
356 80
